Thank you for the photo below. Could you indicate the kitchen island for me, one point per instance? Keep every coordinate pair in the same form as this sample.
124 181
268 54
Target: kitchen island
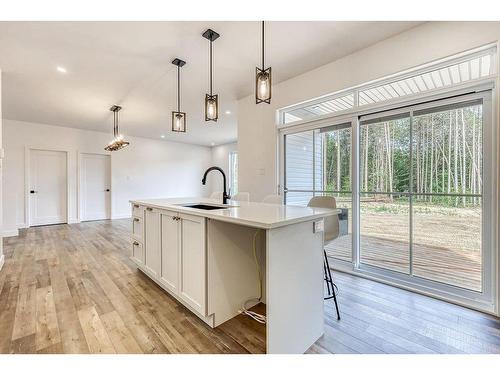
209 256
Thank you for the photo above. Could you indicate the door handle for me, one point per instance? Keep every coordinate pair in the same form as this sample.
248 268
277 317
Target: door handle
33 191
135 243
106 190
136 219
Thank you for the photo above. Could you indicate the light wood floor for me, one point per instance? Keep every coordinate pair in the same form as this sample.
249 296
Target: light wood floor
73 289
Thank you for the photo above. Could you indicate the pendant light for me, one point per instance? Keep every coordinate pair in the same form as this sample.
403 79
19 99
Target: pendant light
211 100
263 79
178 117
118 141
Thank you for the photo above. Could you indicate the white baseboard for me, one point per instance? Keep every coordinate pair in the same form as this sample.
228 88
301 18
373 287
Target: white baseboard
2 261
9 233
126 216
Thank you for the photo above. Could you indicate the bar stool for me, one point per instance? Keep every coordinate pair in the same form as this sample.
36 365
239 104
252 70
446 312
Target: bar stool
331 232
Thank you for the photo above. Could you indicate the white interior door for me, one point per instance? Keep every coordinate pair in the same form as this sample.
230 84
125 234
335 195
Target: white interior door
48 187
96 187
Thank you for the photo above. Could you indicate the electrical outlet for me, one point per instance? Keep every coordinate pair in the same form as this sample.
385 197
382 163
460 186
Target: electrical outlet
319 226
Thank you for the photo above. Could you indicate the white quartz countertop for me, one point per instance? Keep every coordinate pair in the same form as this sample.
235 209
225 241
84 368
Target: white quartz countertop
253 214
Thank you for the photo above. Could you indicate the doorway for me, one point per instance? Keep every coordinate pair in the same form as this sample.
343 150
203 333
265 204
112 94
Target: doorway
95 187
48 187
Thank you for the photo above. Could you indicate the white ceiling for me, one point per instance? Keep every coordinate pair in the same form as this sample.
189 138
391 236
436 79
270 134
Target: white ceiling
128 63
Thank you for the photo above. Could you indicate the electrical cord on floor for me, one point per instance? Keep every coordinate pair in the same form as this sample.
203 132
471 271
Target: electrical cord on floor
244 310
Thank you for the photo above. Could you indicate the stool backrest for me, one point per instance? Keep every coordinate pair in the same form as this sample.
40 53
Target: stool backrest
331 222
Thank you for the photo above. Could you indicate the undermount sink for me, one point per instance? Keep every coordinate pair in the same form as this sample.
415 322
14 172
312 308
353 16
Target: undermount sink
204 206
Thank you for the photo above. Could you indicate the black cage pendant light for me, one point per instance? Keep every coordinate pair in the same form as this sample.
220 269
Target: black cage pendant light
263 79
211 100
178 117
118 141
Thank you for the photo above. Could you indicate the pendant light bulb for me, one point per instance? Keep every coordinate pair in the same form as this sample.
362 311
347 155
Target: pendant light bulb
211 109
263 86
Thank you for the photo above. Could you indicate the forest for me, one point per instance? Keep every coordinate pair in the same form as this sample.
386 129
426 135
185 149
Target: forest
442 157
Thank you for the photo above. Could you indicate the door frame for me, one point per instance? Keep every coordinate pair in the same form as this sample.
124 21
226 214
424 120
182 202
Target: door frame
27 180
79 195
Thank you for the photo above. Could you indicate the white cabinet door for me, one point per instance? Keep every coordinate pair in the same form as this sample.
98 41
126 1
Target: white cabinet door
152 241
138 252
192 286
170 235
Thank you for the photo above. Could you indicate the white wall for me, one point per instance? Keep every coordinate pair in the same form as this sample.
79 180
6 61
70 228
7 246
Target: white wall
257 135
145 169
220 158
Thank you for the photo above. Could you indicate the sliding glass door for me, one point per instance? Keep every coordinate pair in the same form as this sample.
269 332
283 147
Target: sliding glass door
447 186
421 192
413 187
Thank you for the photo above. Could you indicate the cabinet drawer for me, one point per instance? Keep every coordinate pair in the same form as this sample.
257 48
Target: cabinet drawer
138 227
137 210
138 251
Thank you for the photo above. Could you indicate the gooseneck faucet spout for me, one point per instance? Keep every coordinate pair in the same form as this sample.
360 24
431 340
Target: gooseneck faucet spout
225 196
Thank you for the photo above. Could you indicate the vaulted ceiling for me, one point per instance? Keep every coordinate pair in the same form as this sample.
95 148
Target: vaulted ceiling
129 63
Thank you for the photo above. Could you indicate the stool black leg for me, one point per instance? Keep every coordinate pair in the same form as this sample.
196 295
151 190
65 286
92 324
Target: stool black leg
329 282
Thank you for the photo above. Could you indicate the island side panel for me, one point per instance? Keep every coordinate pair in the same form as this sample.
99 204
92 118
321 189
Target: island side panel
294 276
232 274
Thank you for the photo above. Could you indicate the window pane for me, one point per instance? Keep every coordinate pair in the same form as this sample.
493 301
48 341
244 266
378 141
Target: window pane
447 159
341 247
385 156
298 198
299 161
337 155
448 151
384 231
447 241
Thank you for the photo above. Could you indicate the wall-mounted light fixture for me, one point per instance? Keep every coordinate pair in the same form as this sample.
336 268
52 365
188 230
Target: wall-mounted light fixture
178 117
263 79
118 141
211 100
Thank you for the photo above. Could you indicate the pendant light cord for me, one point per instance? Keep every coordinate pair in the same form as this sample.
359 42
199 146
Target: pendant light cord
178 88
115 129
262 45
210 67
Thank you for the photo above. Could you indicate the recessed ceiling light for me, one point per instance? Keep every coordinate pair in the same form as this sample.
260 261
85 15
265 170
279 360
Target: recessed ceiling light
212 144
228 112
162 136
61 69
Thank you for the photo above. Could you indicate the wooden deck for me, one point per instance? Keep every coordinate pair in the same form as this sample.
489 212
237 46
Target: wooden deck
441 264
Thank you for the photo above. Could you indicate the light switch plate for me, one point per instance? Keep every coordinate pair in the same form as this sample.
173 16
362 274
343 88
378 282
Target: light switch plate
318 226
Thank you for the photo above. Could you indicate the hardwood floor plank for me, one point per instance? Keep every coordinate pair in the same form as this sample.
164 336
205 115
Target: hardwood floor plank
94 331
23 345
47 329
25 318
120 336
72 337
